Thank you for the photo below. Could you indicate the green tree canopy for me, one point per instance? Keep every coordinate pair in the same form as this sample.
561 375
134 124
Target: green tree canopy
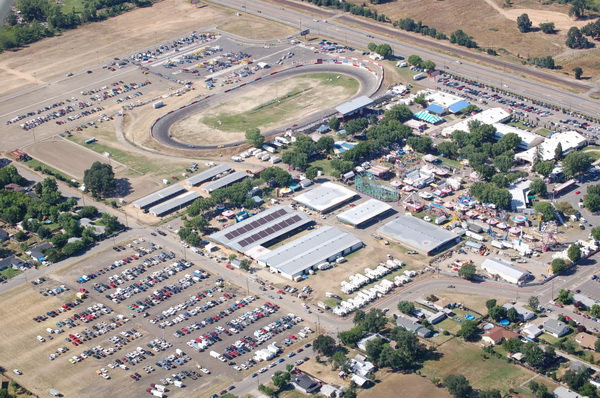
576 163
468 272
524 23
406 307
574 253
538 187
254 137
468 330
458 386
99 179
324 344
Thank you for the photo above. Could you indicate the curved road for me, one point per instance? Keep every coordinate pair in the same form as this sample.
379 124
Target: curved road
160 130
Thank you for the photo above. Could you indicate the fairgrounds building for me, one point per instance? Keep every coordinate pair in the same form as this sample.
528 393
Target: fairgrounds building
325 197
296 258
418 235
364 212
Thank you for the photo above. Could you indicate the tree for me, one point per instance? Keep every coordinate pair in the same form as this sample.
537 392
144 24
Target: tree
266 390
296 159
547 27
99 179
428 64
597 344
374 348
351 337
503 163
538 187
50 193
334 123
491 303
276 176
458 386
324 345
578 72
512 314
406 307
490 394
592 200
545 168
576 162
338 359
354 126
546 210
565 208
574 253
254 137
498 313
596 233
534 302
448 149
415 60
372 46
513 344
312 172
420 99
325 144
576 40
385 50
558 153
281 379
420 144
374 321
533 355
524 23
468 330
565 297
576 379
468 272
577 8
401 113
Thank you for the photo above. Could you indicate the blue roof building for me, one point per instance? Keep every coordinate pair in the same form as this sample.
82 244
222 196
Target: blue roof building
437 109
458 106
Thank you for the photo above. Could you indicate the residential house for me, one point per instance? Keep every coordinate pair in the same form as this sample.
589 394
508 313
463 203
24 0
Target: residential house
361 366
524 314
497 334
437 317
3 234
11 262
37 252
532 331
331 391
360 381
576 365
99 230
563 392
362 344
586 340
556 328
304 384
412 325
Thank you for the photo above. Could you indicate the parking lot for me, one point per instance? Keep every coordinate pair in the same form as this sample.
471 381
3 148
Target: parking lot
153 319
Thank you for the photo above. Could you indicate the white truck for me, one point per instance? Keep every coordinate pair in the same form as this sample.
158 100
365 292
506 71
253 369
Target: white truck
160 387
178 383
157 393
323 266
419 76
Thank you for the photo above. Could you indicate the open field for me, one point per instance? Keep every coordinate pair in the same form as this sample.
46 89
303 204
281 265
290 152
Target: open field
254 28
96 43
459 357
54 152
397 385
280 103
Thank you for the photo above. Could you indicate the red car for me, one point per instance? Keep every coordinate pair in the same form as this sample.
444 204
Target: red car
577 192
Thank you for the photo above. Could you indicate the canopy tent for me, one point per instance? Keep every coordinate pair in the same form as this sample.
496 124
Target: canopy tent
427 117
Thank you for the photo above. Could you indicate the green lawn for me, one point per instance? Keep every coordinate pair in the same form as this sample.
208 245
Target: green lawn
543 132
140 165
286 104
519 125
324 164
69 5
482 370
10 272
593 151
407 74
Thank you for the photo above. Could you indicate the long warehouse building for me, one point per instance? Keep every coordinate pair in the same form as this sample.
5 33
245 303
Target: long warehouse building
265 227
322 245
207 175
159 196
225 181
174 204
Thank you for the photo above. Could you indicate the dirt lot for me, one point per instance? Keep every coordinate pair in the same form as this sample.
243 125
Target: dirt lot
498 30
254 28
98 42
56 151
204 128
392 383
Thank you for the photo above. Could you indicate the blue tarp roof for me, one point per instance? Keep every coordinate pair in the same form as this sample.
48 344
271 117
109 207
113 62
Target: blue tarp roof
436 109
459 106
427 117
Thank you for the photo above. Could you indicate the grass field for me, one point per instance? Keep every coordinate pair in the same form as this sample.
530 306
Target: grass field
519 125
543 132
255 28
10 272
137 164
324 164
482 371
284 103
400 385
33 163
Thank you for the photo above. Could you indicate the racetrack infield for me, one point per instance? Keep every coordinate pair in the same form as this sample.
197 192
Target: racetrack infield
68 157
296 97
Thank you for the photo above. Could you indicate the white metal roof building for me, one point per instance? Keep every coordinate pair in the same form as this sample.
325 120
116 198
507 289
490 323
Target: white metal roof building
177 203
504 270
225 181
364 212
354 105
325 197
159 196
443 99
519 195
489 116
418 235
207 175
528 139
308 251
569 140
262 228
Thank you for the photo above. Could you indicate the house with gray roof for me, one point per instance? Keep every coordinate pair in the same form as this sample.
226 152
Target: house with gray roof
556 328
412 325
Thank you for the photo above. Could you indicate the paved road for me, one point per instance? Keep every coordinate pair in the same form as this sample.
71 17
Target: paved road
511 77
160 130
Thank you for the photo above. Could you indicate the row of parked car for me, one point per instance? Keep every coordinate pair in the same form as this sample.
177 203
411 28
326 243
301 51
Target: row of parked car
174 310
65 307
97 330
